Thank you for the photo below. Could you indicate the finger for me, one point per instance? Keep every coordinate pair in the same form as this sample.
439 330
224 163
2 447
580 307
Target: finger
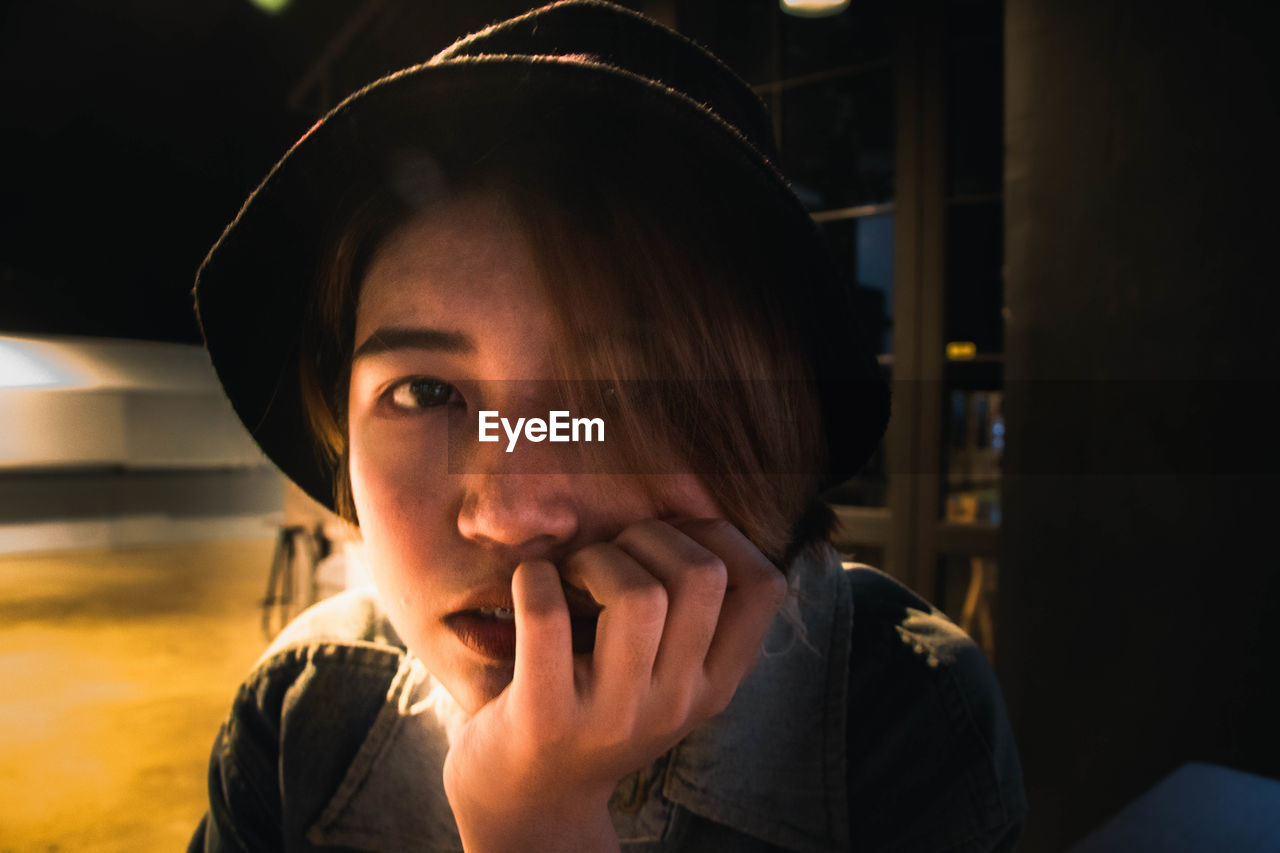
695 579
629 628
754 592
543 677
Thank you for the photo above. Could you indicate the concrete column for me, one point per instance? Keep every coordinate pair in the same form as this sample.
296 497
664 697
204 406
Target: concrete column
1140 576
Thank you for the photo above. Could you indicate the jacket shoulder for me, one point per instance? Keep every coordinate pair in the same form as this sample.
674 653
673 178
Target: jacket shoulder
322 681
355 616
932 761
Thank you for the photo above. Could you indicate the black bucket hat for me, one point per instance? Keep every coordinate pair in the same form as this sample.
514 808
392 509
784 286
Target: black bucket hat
570 58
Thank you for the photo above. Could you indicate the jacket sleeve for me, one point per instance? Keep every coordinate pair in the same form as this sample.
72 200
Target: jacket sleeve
932 762
294 727
244 795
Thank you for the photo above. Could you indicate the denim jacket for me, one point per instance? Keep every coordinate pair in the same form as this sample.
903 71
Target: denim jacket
877 727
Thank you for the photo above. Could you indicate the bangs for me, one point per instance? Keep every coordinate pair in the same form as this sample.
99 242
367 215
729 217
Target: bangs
673 320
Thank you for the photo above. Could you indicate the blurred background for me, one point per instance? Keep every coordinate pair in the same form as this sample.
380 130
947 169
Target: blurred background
1059 218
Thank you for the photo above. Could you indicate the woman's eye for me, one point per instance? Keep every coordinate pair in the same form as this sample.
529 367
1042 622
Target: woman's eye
416 394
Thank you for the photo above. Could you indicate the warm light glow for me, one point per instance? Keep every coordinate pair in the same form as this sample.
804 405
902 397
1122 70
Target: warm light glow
22 366
271 7
961 350
813 8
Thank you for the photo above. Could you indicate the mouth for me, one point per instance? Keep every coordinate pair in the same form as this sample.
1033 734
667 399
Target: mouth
490 630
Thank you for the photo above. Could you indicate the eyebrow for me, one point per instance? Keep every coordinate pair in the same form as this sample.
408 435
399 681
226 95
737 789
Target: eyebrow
390 338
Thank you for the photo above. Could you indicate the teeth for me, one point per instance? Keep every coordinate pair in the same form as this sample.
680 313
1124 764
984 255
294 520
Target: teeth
497 612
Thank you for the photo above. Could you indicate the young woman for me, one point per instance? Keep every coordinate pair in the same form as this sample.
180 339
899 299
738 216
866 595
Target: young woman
543 321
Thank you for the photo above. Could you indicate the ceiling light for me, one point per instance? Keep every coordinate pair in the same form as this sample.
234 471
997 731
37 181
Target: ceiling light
813 8
271 7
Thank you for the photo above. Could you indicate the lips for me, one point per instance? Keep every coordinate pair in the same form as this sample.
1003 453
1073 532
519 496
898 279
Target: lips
489 628
492 636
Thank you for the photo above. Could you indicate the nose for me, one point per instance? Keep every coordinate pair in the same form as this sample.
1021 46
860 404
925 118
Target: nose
533 515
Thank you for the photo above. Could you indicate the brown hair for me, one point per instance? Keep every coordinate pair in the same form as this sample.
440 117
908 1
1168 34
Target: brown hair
657 276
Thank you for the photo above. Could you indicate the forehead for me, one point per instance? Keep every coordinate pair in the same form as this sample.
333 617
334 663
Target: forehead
465 264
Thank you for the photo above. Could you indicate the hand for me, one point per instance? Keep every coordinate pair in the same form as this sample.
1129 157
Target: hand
686 605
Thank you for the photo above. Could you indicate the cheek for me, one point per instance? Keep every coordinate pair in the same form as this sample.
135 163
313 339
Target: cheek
685 496
402 501
396 466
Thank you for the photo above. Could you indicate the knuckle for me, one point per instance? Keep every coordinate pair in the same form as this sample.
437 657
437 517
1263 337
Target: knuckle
716 701
668 728
719 525
706 578
638 531
682 708
665 722
711 527
774 587
587 562
764 582
615 732
646 601
593 552
706 566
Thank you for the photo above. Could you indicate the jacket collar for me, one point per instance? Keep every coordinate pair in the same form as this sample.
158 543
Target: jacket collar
771 766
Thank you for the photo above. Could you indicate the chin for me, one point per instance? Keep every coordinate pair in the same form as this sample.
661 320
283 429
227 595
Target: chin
473 686
469 679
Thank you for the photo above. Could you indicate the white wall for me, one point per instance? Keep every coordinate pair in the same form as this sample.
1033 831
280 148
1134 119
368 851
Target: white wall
142 425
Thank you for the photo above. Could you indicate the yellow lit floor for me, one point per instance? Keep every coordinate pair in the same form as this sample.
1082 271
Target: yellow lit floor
116 668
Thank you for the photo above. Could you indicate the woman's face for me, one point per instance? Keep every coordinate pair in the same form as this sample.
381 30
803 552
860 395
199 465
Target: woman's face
452 319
